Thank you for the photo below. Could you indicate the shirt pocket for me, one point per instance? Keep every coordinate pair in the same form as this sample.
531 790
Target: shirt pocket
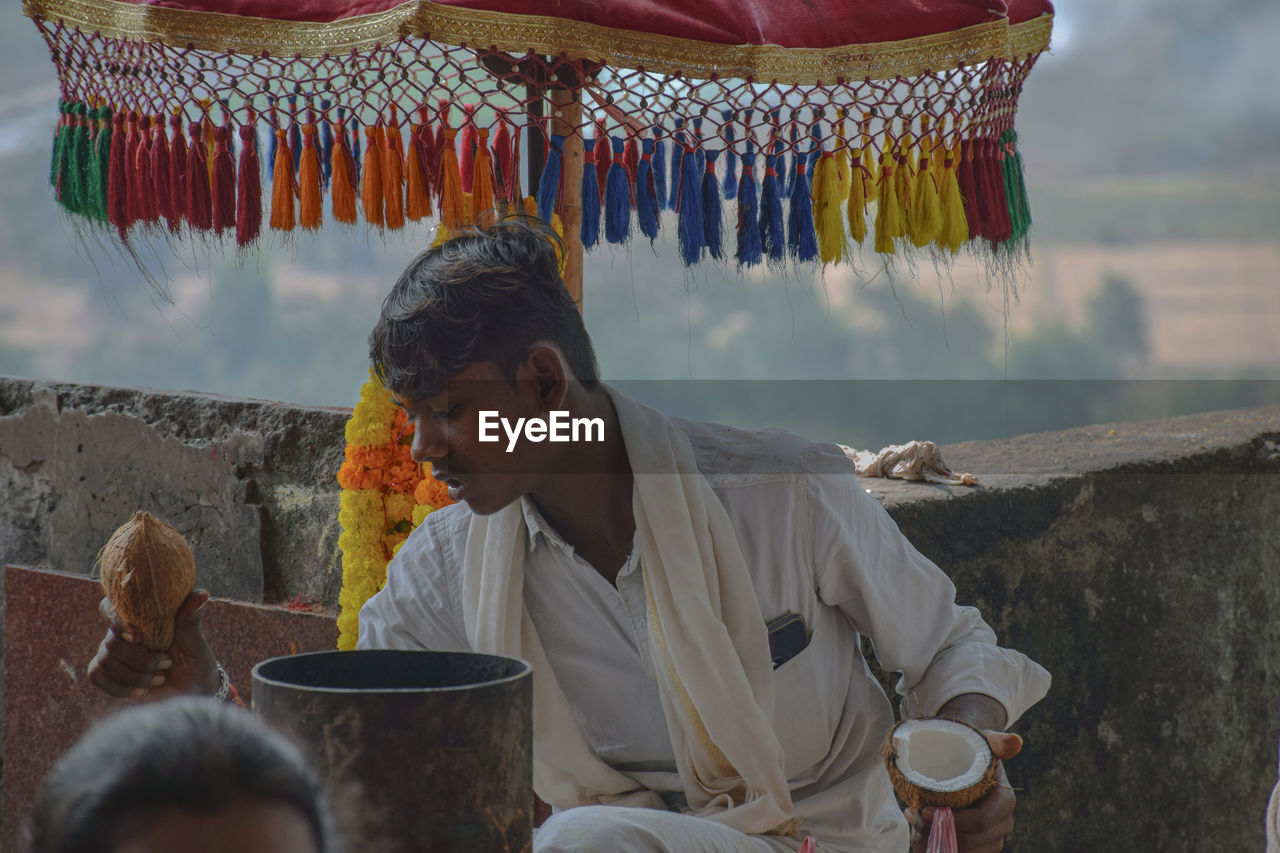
799 713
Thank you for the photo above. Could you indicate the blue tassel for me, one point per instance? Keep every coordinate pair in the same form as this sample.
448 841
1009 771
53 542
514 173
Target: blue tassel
690 209
295 133
801 236
647 192
326 141
787 178
617 197
772 240
730 159
271 139
815 151
659 169
750 251
590 197
677 140
697 147
712 224
549 186
353 145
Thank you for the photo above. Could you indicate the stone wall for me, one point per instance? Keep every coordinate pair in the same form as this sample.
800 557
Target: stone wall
1140 563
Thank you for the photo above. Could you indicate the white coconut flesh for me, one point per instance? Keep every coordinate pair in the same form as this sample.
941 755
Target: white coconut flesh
940 755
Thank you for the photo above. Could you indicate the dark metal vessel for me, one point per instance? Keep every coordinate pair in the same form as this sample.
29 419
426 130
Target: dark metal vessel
438 744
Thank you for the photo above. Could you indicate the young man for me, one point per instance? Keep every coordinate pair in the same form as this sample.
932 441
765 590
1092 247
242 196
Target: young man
643 568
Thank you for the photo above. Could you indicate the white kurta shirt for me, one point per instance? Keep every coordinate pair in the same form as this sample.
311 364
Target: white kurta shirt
815 544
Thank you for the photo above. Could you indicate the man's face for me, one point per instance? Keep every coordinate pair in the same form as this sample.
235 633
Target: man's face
447 432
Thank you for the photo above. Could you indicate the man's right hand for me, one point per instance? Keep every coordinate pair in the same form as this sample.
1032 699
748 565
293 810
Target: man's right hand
124 667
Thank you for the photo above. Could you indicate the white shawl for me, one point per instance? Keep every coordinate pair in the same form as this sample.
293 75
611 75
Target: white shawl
708 635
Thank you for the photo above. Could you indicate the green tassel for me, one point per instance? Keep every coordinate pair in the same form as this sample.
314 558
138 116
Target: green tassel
99 165
1015 190
61 152
78 161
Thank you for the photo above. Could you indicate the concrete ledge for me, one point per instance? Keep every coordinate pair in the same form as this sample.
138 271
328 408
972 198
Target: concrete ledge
1139 562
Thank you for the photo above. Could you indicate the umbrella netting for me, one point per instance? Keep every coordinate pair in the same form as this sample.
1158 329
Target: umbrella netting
200 136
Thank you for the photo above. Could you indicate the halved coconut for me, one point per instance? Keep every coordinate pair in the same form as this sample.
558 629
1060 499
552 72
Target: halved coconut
935 761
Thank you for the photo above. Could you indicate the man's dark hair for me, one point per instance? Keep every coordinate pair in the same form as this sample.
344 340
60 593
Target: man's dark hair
190 753
488 294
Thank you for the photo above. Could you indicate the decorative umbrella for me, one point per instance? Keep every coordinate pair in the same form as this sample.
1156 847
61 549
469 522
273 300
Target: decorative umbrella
760 131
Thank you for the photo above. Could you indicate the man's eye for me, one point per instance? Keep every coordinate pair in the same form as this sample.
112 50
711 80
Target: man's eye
445 414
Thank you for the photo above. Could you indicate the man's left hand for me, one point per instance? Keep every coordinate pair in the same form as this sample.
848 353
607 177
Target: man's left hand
984 826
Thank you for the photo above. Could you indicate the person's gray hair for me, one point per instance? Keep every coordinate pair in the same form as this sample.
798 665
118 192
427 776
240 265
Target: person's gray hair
191 753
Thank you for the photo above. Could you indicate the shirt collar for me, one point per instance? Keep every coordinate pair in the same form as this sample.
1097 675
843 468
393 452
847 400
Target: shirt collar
538 526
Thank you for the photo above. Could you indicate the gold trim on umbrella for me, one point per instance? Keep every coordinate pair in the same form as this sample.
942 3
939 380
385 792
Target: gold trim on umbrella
1031 36
219 32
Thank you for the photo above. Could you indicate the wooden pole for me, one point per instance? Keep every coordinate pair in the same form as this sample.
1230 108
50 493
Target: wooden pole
566 118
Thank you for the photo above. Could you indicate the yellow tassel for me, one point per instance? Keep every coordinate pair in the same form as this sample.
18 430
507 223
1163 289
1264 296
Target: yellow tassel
482 177
417 200
858 199
843 174
452 211
393 174
371 176
904 177
442 234
889 213
310 203
530 206
926 206
282 186
954 232
343 183
826 209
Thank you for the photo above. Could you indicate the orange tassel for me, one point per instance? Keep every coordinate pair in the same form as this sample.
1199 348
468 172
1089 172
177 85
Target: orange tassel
452 207
371 176
393 172
343 181
482 200
417 202
310 201
282 190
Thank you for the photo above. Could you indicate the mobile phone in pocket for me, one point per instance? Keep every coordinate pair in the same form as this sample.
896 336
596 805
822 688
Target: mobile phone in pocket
788 637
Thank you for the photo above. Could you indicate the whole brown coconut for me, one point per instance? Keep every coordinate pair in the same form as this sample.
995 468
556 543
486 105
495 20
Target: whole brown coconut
147 572
937 761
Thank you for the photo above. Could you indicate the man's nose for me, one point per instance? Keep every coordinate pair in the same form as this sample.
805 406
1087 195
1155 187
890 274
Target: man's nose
429 441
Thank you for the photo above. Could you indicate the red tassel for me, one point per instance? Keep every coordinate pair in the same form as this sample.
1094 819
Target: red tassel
133 140
178 170
393 171
1001 224
603 157
631 156
502 157
118 177
437 154
969 188
199 204
343 181
468 142
224 183
424 140
417 203
249 188
161 177
148 207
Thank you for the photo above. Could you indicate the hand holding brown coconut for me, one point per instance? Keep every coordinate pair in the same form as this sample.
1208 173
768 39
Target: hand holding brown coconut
154 646
147 572
949 775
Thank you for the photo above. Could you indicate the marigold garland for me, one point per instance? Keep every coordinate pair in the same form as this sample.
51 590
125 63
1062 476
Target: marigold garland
385 495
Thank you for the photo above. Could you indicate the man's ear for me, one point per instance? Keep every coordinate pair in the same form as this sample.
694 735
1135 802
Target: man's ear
545 368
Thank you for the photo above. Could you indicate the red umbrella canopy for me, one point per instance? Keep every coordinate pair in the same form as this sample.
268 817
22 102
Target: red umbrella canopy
828 122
